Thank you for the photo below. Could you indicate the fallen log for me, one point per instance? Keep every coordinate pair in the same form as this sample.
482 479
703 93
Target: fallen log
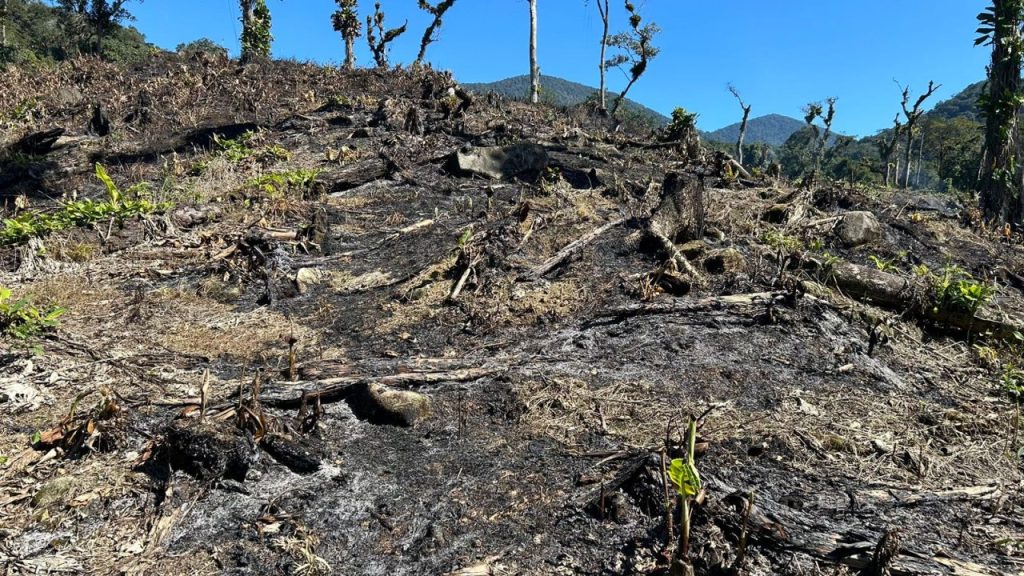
336 389
775 526
354 175
911 296
687 306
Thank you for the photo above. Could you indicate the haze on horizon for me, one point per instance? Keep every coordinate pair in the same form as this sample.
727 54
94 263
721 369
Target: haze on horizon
780 55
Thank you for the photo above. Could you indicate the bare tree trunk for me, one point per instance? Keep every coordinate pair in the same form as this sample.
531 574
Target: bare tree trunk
920 159
743 134
534 70
603 9
908 158
350 52
896 175
248 18
3 28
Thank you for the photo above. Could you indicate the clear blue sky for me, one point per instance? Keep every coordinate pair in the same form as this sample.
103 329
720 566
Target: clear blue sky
781 54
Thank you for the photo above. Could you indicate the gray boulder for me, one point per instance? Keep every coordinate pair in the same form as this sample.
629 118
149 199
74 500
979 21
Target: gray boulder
859 228
502 163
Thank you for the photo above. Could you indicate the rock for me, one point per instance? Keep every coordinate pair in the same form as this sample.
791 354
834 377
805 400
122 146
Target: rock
501 163
725 260
53 491
859 228
209 451
68 97
693 249
380 405
99 124
306 278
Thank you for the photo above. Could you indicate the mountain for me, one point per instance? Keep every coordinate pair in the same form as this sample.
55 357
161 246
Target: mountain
772 129
964 104
561 92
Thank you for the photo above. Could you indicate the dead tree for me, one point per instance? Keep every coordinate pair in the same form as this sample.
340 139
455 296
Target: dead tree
826 119
380 39
534 69
912 115
743 124
428 36
887 147
346 21
603 9
639 50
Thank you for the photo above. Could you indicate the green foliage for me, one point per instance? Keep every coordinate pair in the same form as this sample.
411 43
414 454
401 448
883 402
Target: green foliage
118 206
278 184
202 46
22 320
1011 380
682 123
955 289
39 33
782 242
247 147
885 265
256 36
637 50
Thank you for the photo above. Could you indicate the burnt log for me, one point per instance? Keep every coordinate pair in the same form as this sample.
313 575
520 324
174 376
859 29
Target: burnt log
913 296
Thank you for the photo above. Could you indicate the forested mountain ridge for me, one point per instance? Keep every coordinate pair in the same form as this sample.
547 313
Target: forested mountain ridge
771 129
562 92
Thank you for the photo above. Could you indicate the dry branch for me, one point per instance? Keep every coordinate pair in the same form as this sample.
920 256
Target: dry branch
573 247
335 389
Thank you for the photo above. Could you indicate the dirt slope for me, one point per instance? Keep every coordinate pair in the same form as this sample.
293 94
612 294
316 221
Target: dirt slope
314 239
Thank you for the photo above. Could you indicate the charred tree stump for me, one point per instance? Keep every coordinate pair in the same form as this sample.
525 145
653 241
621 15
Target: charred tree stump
679 217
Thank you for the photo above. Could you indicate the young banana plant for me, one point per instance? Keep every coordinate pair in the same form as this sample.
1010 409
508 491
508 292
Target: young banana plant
686 479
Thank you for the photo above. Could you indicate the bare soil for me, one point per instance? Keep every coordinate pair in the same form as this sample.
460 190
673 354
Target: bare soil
551 397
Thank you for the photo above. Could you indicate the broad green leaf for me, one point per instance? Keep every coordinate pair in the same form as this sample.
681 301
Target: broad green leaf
112 191
685 478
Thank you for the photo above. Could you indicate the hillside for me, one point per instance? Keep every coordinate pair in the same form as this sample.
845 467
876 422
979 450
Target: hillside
292 319
561 92
772 129
963 105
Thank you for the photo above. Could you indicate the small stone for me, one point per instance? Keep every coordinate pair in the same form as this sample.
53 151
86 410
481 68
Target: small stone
725 260
53 491
380 405
694 249
859 228
306 278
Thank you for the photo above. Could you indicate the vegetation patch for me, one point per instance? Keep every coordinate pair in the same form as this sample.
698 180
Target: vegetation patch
118 206
21 319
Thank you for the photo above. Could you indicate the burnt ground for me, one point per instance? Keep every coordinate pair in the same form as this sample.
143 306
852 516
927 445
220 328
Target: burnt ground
551 395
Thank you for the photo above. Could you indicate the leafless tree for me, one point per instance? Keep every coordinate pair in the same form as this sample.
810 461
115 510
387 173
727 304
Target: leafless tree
743 124
913 114
380 39
428 36
534 69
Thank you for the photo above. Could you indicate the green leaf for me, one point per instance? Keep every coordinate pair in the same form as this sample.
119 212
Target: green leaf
685 478
112 192
37 437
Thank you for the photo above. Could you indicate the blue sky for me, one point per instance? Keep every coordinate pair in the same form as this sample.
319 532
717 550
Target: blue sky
780 54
